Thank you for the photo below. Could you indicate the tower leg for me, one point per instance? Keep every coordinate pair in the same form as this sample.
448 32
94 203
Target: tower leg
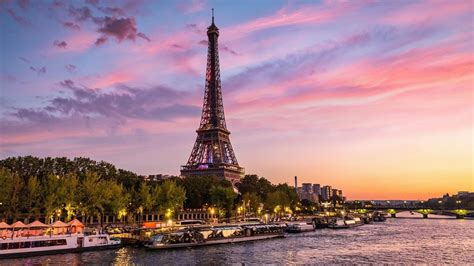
425 216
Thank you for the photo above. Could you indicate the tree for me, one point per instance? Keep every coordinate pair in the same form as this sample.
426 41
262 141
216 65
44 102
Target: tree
92 195
118 197
53 193
171 197
308 206
254 184
10 197
290 193
223 198
248 184
32 202
145 197
252 201
70 196
277 201
197 189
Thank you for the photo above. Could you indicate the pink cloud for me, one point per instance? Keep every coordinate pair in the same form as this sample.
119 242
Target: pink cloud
77 42
427 11
303 16
191 6
370 79
109 79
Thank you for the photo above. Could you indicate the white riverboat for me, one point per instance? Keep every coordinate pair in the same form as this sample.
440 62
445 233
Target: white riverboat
20 240
299 227
342 223
214 235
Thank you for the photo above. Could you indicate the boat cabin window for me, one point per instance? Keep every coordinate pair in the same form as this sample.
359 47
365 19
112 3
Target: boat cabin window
189 222
33 244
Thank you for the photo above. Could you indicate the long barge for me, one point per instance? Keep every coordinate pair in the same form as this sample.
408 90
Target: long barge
214 235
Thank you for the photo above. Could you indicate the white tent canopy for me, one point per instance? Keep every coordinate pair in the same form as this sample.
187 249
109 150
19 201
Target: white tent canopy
19 224
59 224
4 225
36 224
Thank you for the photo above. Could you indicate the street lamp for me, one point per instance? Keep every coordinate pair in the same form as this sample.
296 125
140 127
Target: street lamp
212 211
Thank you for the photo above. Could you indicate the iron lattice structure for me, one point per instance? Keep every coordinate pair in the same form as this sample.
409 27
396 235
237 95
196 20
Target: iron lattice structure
212 153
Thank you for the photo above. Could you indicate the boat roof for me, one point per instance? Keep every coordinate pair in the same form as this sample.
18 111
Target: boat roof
4 225
36 224
59 224
19 224
76 223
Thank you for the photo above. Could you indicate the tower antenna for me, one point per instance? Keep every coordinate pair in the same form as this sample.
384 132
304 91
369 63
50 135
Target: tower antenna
212 15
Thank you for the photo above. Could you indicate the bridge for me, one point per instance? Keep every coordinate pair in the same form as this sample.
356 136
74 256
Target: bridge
459 213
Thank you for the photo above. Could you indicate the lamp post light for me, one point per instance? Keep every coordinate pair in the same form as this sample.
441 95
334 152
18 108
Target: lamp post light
212 211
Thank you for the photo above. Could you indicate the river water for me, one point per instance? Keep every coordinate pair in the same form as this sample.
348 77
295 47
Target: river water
433 241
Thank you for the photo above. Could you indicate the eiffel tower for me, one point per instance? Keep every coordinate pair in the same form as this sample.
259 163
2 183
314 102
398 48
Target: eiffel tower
212 154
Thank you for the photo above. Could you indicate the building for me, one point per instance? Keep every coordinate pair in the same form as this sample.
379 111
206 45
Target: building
326 193
212 153
307 188
317 189
316 193
308 196
158 177
305 192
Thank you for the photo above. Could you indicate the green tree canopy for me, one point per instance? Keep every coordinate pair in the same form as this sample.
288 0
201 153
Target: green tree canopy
255 184
171 197
222 198
252 201
198 190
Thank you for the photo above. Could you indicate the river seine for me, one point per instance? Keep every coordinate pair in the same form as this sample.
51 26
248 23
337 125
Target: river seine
432 241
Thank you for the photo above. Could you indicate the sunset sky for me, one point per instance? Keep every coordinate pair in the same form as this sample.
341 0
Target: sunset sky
372 97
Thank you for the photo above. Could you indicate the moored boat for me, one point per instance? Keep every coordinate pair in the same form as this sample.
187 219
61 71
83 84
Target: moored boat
299 227
379 217
343 223
367 219
194 237
338 224
39 239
